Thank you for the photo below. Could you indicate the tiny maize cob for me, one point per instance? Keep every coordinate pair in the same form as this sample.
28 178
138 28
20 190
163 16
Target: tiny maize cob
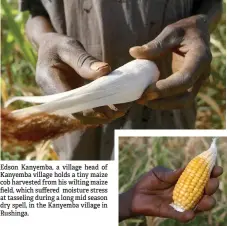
190 186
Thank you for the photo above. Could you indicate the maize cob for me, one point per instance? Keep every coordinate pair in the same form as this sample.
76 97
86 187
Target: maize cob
190 186
125 84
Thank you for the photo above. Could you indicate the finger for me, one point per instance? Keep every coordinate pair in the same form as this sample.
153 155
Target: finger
73 53
145 207
212 186
167 175
104 114
179 82
169 38
119 110
170 212
217 171
91 120
93 113
108 113
56 79
124 106
205 204
170 103
160 178
177 102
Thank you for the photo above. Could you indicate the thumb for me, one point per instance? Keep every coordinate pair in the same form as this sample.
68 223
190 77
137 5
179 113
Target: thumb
167 175
74 54
168 39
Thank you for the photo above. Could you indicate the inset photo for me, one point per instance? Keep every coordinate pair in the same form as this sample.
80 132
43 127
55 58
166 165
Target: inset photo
172 181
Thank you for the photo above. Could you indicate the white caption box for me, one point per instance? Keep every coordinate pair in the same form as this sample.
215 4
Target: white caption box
81 212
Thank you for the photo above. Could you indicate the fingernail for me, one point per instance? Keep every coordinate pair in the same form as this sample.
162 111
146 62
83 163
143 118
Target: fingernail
98 66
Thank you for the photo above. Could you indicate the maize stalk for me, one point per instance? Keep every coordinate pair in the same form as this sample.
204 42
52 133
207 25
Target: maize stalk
189 188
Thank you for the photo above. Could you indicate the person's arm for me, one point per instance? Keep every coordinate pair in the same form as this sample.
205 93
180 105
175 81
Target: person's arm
37 26
38 22
211 8
189 41
63 63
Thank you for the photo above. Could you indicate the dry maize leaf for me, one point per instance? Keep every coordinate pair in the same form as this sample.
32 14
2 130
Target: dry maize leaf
4 92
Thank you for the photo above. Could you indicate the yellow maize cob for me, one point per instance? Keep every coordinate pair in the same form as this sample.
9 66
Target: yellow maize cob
190 186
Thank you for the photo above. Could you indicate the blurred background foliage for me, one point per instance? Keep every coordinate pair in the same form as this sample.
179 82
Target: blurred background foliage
18 76
138 155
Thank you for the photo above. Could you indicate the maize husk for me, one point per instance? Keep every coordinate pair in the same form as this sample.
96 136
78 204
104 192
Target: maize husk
123 85
53 117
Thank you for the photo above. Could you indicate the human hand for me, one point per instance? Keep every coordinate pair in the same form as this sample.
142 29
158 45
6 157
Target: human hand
189 39
63 64
152 194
